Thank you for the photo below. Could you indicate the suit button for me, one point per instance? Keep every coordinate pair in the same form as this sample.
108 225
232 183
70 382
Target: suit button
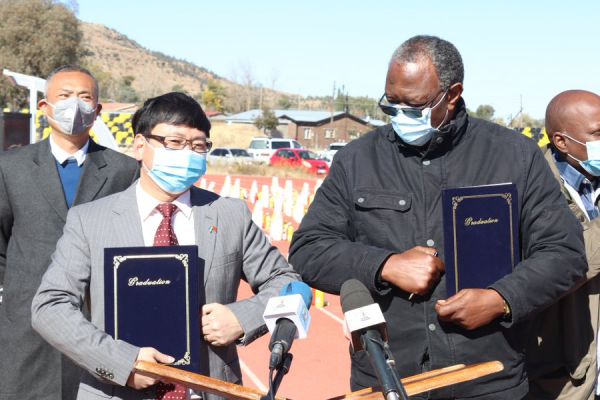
98 369
110 376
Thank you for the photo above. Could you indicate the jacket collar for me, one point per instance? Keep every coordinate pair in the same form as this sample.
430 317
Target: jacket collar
549 156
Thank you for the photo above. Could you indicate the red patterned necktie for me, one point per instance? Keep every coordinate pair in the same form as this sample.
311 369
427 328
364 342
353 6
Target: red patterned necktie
165 236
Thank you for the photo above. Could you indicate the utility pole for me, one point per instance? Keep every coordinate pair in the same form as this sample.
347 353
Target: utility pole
347 111
260 98
332 107
521 117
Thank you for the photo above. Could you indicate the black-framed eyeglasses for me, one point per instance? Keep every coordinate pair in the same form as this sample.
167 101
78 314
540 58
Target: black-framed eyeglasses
392 109
179 143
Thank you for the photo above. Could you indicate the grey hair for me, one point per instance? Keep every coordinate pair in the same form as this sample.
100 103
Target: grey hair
71 68
445 57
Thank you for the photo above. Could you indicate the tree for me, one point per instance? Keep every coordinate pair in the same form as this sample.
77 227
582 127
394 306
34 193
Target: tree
36 37
107 85
267 121
340 100
285 102
362 106
524 119
127 93
241 96
499 121
485 112
213 96
179 88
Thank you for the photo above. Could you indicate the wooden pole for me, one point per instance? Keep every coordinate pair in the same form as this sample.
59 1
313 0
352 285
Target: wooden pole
432 380
197 382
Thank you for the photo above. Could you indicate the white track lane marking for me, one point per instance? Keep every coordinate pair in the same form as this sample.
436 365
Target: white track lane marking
253 377
329 313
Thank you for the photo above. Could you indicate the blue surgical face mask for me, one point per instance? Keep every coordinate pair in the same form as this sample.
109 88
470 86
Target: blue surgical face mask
175 171
592 164
416 131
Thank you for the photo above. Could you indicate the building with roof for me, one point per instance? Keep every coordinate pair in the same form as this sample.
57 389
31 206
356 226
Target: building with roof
313 129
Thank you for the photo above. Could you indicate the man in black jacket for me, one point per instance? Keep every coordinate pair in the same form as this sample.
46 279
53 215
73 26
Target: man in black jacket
378 218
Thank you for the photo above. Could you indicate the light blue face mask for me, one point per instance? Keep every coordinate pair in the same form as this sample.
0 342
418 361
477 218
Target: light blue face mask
416 131
592 164
174 171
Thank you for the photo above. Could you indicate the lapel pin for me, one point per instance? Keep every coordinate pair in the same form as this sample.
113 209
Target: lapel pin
212 229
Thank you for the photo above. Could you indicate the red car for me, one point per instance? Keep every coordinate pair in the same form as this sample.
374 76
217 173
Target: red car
306 159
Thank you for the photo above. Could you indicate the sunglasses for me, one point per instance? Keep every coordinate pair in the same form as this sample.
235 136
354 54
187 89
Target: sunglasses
392 109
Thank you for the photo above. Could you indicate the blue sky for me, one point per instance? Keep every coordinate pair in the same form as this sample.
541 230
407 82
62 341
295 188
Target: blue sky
534 49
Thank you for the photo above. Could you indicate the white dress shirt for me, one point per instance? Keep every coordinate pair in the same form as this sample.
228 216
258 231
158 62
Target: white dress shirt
181 221
62 156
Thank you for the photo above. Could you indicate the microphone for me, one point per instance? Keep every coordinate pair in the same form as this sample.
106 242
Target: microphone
287 318
368 332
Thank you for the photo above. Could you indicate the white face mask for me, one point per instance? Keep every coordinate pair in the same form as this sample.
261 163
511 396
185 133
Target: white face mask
73 115
416 131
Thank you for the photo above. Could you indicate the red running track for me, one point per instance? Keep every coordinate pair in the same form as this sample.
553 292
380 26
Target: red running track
321 365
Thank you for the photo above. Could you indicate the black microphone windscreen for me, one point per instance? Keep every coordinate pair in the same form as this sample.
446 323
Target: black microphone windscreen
353 295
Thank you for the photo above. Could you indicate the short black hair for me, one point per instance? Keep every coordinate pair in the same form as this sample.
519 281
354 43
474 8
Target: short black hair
445 57
173 108
71 68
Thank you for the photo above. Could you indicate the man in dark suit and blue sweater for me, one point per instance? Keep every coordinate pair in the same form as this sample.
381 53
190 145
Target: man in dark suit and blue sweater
38 185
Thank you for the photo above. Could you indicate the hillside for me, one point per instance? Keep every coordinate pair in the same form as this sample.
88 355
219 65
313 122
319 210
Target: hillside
155 73
111 56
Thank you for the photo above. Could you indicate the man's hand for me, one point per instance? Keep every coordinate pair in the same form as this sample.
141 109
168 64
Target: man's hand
138 381
415 271
471 308
220 326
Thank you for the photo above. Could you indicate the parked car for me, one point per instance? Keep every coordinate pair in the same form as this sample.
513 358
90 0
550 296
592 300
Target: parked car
229 156
330 151
335 147
303 158
324 155
262 147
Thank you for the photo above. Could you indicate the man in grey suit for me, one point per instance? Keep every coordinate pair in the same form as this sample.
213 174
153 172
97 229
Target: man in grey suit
171 143
38 184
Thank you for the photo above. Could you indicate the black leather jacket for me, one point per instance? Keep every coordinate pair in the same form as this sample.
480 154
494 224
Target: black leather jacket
383 197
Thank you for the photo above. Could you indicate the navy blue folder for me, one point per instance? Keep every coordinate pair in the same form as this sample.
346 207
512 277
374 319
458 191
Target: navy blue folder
481 235
152 299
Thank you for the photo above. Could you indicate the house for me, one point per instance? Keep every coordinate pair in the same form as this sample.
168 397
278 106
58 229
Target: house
313 129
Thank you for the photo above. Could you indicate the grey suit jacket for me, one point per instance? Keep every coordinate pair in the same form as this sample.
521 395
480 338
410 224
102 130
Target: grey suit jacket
33 211
236 250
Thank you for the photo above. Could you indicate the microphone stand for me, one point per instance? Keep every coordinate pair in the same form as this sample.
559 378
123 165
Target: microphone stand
388 377
391 362
282 369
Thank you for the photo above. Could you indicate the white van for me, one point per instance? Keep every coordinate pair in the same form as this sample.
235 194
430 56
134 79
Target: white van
334 147
262 147
327 155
